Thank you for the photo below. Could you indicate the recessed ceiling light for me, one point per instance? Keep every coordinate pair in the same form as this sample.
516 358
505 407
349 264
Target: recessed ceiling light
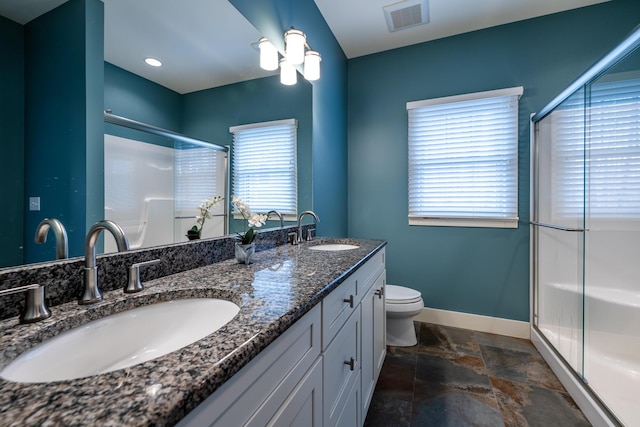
153 62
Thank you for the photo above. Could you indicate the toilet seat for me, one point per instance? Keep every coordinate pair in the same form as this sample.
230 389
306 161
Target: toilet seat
401 295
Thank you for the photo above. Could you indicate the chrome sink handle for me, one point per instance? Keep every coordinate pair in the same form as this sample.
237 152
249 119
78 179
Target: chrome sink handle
134 284
35 307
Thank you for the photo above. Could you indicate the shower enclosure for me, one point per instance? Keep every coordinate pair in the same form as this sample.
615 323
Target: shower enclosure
155 180
585 236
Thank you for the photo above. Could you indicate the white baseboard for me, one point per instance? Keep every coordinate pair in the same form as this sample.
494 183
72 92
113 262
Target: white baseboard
476 322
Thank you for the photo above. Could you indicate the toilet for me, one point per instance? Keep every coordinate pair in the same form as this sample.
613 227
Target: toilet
401 305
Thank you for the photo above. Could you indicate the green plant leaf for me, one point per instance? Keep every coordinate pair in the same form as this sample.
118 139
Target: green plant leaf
249 236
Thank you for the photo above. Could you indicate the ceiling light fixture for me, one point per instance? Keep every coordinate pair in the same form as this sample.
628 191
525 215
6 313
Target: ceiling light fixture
297 52
153 62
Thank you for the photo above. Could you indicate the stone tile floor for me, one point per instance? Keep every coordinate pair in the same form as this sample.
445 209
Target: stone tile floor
459 377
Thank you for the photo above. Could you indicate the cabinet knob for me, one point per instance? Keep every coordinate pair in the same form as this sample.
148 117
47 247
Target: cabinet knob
351 362
350 301
380 292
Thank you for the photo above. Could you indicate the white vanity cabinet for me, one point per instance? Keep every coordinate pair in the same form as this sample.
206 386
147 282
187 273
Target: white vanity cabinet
263 390
373 337
320 372
356 308
341 372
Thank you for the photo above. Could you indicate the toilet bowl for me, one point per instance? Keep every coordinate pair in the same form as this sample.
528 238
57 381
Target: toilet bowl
401 305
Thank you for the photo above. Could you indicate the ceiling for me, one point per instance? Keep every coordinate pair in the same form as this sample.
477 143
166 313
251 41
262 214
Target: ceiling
208 43
361 28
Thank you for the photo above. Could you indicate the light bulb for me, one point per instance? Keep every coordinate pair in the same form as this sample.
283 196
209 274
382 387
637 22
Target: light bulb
312 65
288 74
294 46
268 55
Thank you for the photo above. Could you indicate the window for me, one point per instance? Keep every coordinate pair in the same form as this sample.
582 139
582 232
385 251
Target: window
265 166
610 160
196 176
463 160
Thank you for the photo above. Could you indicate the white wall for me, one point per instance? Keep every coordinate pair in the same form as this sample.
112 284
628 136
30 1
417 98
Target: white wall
139 191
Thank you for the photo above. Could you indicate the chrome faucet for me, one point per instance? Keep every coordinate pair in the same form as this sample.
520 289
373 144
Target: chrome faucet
91 292
59 233
279 216
316 220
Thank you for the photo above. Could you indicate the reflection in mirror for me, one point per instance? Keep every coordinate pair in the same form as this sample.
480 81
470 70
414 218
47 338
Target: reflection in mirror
155 186
55 127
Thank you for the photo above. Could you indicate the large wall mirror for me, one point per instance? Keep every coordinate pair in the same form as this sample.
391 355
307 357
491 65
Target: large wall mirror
56 87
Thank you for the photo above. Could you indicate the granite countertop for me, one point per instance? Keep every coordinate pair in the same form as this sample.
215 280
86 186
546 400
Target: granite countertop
276 290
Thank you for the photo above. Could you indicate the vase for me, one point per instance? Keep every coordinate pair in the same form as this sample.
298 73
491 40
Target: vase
244 253
193 235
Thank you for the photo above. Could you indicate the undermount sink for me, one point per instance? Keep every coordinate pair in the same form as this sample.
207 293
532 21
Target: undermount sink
121 340
333 247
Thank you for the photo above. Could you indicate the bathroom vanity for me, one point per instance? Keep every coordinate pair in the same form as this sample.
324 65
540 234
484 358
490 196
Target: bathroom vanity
305 348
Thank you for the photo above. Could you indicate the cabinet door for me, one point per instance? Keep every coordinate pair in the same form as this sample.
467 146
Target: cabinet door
379 324
373 338
303 407
341 368
350 414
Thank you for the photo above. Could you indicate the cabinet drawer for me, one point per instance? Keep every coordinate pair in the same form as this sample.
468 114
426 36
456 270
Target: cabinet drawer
367 274
341 367
336 309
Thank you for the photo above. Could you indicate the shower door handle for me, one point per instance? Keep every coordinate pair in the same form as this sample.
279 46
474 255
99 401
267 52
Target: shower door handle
556 227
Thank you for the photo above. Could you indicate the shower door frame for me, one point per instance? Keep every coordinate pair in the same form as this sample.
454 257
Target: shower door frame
578 388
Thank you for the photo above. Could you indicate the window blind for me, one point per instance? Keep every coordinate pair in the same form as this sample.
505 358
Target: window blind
195 177
605 156
265 166
463 160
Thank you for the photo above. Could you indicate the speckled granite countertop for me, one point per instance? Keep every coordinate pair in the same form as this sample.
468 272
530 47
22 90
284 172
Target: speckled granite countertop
276 290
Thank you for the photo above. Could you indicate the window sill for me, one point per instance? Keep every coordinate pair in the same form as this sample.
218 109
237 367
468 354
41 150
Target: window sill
465 222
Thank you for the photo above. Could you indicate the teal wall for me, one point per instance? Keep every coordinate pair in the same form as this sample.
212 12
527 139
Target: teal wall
63 122
474 270
272 18
208 114
12 143
136 98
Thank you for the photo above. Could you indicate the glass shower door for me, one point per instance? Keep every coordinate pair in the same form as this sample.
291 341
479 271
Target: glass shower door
612 273
558 229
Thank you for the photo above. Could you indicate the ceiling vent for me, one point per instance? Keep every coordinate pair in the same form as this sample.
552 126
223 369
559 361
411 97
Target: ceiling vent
406 14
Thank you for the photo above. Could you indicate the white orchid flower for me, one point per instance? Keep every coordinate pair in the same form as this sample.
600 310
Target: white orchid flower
257 220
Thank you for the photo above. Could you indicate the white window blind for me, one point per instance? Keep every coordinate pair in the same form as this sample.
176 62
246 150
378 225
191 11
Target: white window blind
265 166
463 160
195 177
609 161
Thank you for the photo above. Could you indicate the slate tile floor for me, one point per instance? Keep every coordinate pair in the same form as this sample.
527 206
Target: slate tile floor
459 377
